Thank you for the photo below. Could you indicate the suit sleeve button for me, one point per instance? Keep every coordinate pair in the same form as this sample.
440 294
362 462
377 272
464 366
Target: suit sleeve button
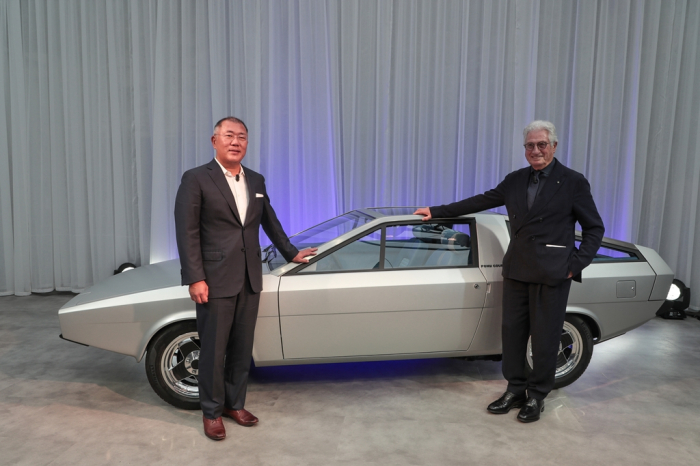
541 220
532 238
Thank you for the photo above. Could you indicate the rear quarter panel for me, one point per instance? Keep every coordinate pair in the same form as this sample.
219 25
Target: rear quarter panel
597 296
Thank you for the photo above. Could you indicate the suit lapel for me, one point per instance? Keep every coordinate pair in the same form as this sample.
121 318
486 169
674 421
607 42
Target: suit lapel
521 189
251 182
554 182
220 181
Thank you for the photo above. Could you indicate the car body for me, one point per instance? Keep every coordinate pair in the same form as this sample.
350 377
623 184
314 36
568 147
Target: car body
383 285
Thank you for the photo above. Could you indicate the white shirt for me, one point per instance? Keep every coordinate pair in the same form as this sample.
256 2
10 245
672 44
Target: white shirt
239 189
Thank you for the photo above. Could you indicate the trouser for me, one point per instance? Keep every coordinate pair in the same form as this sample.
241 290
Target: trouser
226 328
532 309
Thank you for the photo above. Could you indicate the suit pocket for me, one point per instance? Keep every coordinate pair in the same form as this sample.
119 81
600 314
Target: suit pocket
212 255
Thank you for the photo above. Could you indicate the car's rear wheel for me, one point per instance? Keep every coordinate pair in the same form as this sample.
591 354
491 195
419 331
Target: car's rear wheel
172 363
575 351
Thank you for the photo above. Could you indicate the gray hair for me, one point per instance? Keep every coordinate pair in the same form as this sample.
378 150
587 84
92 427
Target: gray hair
232 119
538 125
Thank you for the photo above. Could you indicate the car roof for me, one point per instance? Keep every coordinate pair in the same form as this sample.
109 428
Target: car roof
399 211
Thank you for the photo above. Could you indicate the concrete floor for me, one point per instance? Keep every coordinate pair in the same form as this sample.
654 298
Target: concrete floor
61 403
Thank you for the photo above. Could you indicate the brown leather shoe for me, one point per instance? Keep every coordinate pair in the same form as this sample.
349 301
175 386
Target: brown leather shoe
214 428
241 416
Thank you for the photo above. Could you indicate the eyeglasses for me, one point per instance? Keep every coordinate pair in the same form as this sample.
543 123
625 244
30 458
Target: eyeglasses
530 146
227 138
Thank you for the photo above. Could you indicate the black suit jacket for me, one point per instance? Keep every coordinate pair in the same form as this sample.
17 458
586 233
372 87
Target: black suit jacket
532 254
213 244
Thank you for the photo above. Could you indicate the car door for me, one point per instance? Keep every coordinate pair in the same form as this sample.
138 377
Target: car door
403 288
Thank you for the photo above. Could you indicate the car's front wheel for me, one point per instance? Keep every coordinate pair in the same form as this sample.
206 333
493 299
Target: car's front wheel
172 363
575 351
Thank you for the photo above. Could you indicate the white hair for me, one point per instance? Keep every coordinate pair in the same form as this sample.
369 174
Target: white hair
538 125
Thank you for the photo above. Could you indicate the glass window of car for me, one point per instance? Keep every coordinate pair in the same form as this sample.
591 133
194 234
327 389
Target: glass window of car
405 246
428 245
329 230
361 254
317 235
609 253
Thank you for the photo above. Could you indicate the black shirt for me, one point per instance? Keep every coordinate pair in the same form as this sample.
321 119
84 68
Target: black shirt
537 179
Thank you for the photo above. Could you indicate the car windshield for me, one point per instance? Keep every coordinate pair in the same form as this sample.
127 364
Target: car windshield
318 235
394 210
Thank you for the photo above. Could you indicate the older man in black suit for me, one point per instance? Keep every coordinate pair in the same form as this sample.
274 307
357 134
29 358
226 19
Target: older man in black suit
218 212
544 202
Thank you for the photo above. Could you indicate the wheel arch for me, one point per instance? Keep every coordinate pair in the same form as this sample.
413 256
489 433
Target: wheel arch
160 326
589 319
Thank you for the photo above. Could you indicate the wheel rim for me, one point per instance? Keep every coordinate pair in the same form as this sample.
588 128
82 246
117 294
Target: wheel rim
179 365
570 351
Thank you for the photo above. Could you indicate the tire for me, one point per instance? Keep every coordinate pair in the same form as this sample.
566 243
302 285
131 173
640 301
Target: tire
575 351
171 365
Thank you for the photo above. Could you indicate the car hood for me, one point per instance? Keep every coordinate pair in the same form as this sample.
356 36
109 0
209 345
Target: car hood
146 278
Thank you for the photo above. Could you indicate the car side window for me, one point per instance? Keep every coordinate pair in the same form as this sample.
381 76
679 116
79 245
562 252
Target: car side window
428 245
608 253
424 245
361 254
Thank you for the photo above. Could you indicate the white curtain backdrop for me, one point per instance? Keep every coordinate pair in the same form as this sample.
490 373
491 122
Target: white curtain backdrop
350 103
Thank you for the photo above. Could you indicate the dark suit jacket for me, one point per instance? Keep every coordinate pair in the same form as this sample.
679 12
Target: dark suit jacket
564 199
213 244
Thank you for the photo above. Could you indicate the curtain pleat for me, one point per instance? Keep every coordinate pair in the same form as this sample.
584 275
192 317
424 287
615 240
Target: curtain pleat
103 106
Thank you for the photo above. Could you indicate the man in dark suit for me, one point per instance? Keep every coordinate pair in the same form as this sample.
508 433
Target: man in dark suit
544 202
218 212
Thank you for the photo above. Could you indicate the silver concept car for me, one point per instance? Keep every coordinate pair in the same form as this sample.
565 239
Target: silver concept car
384 285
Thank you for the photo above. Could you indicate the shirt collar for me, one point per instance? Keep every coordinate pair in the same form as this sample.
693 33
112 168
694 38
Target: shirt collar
228 173
546 170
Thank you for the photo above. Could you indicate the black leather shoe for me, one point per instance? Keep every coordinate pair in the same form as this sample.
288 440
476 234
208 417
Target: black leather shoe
531 411
506 402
